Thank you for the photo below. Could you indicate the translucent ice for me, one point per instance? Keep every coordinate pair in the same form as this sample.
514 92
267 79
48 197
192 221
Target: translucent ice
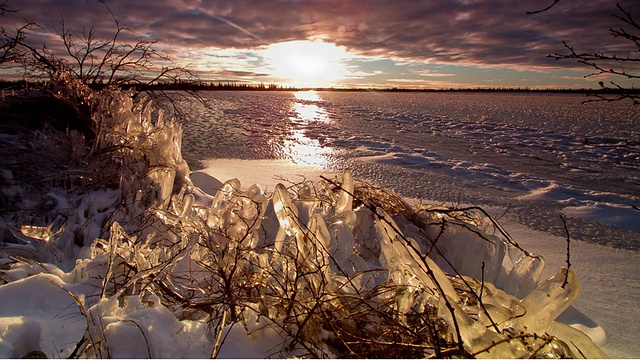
470 251
402 256
546 302
478 339
579 343
345 200
342 242
163 179
220 202
287 214
524 275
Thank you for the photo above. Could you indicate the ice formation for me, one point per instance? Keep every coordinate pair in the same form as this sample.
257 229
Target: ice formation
328 269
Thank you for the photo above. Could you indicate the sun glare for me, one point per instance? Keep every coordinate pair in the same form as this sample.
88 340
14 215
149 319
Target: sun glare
307 63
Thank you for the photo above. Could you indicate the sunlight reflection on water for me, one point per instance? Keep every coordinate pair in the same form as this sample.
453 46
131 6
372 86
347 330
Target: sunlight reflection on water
301 148
309 95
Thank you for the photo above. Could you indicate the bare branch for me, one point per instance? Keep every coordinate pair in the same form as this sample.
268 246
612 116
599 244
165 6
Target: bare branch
94 59
543 10
4 8
566 230
10 43
613 64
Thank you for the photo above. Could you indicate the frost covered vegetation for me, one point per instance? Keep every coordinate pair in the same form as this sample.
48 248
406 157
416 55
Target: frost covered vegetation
110 250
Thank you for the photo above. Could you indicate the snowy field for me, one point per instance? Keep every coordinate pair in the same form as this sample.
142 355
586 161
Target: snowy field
539 155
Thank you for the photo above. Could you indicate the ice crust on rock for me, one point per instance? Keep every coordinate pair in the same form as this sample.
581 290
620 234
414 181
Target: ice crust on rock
318 270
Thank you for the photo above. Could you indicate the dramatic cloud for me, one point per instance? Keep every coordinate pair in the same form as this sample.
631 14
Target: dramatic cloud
466 33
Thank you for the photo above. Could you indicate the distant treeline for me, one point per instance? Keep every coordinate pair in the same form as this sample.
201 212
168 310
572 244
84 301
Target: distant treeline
235 86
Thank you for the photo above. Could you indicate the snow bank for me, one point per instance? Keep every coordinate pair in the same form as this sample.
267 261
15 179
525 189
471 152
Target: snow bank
143 262
601 207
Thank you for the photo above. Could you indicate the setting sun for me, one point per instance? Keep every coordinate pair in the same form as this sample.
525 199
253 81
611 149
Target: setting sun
307 63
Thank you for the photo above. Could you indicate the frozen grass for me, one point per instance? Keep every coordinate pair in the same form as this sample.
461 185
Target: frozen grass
111 241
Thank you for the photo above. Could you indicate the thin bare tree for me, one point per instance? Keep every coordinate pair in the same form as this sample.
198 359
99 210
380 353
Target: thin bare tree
108 61
93 59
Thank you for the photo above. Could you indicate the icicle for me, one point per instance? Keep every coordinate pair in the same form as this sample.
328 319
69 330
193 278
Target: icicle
345 201
286 213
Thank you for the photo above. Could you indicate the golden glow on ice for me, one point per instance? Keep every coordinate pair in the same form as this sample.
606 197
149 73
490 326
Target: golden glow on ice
301 148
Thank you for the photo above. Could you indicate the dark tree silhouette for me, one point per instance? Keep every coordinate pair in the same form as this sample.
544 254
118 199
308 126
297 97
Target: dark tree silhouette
10 41
96 61
111 61
93 60
625 66
545 9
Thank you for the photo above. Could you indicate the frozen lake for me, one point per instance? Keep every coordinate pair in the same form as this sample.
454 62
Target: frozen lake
529 156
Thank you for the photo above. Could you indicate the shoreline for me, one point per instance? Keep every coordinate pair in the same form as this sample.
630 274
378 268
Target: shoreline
229 85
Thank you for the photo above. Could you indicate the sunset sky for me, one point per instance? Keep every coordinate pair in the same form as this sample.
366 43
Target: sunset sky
356 43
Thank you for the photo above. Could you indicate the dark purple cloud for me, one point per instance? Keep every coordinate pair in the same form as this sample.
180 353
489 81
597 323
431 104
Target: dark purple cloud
473 32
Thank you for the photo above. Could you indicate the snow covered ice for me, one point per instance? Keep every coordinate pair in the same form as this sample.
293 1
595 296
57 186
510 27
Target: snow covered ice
135 258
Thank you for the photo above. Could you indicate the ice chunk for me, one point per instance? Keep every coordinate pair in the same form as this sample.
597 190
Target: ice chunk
312 246
524 275
402 256
579 343
470 251
44 240
357 271
544 304
221 201
477 338
44 233
162 178
342 243
318 229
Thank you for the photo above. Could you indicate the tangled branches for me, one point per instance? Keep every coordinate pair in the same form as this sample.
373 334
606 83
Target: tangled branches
620 65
